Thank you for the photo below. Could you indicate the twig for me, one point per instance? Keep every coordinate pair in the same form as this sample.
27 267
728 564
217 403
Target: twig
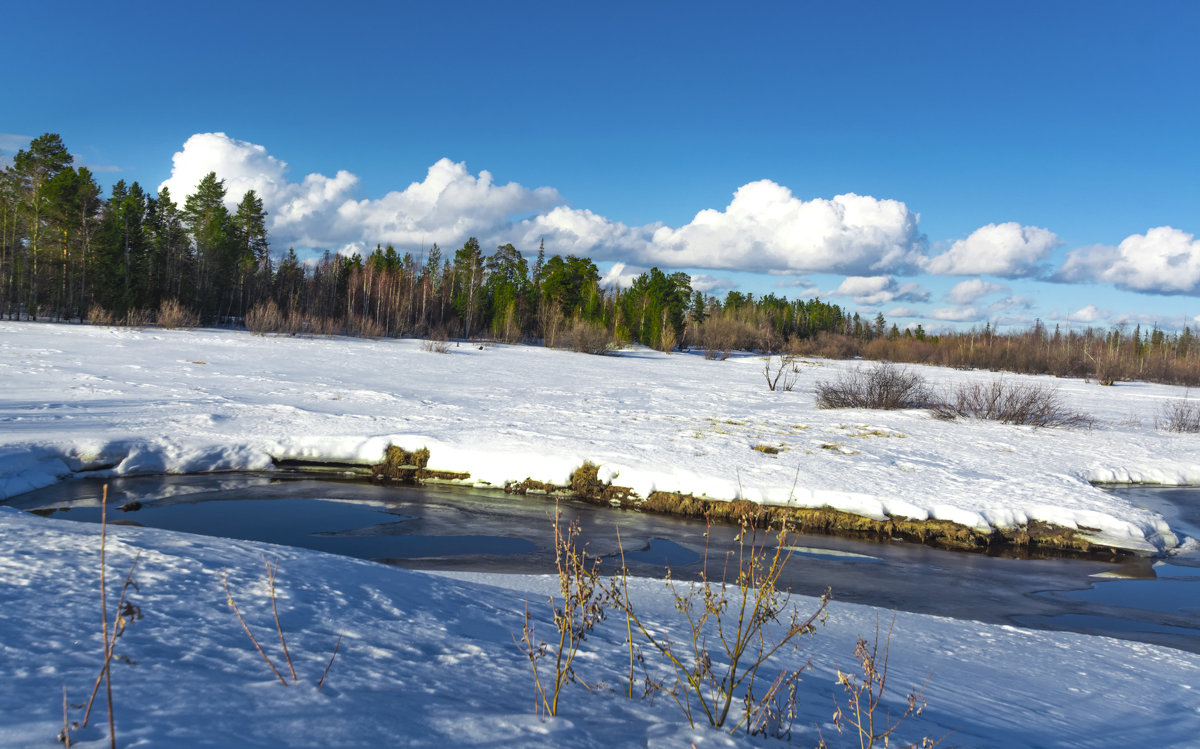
321 683
271 570
253 639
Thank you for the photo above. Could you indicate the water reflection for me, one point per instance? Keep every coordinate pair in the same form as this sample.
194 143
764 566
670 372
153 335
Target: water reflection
1137 598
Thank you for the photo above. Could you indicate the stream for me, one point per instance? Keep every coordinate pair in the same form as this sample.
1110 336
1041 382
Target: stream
1154 600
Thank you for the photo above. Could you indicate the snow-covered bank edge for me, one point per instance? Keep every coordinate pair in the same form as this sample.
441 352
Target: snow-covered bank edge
596 485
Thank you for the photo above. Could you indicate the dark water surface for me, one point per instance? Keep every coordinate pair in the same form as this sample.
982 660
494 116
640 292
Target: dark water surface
1151 600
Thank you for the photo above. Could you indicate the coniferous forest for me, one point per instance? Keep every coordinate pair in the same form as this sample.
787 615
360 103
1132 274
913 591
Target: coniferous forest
68 253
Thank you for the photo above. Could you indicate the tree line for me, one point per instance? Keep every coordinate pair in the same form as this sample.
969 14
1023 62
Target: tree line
68 253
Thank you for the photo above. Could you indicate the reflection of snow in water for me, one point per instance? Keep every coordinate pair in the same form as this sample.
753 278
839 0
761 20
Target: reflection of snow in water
820 553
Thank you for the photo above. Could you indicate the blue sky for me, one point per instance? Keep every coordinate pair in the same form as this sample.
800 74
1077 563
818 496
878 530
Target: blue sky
1006 161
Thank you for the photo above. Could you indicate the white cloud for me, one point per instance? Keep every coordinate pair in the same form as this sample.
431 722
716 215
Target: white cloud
1164 260
448 206
879 290
571 231
958 314
766 228
967 292
1008 250
705 283
11 142
903 312
619 276
1089 314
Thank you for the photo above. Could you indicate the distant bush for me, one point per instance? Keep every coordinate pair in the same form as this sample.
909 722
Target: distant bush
264 318
587 338
172 314
1010 403
884 386
721 335
97 315
1182 416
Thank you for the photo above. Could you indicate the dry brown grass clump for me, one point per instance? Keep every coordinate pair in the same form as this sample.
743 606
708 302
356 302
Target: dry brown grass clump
172 314
401 465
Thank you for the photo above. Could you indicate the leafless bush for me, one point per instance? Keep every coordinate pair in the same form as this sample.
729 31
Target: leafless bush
172 314
752 619
586 337
720 335
437 343
1010 403
884 386
264 318
826 344
785 373
1182 416
97 315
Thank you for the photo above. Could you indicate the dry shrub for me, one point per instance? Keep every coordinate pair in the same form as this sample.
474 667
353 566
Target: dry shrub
721 335
732 630
365 327
1181 416
97 315
1010 403
172 314
437 343
826 344
586 338
884 386
264 318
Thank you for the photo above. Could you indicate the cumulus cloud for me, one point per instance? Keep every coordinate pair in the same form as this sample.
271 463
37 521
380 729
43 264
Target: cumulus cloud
958 314
448 206
705 283
1164 260
766 228
967 292
879 290
1008 250
1089 314
571 231
904 312
620 276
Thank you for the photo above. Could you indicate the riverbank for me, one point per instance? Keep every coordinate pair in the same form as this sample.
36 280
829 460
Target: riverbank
107 401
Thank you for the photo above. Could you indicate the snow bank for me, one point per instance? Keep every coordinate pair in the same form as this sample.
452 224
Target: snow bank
429 660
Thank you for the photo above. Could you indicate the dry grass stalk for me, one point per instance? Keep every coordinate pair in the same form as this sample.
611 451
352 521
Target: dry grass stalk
864 696
126 613
272 568
581 608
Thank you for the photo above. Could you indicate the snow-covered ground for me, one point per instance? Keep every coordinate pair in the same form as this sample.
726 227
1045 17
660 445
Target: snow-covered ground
78 397
429 660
